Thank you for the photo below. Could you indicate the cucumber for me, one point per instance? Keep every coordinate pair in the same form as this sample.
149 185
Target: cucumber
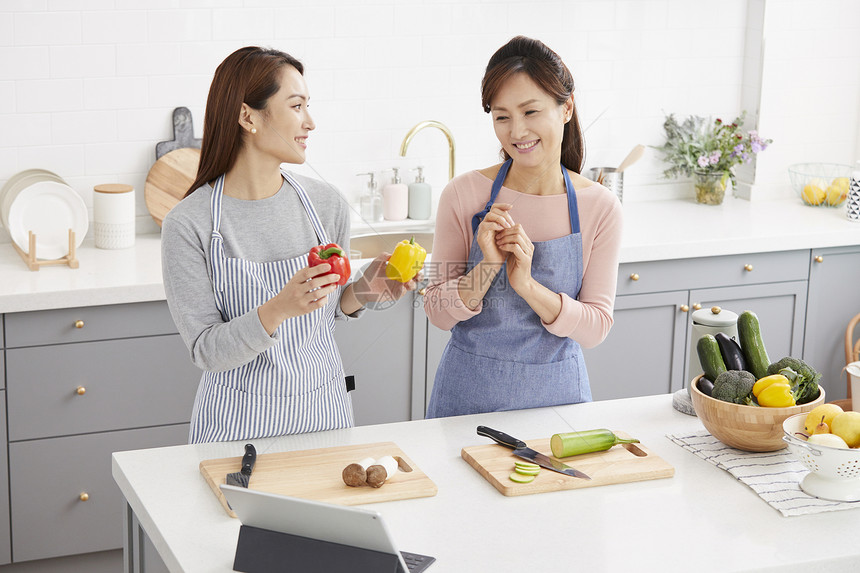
526 471
710 357
752 345
526 465
576 443
731 352
520 478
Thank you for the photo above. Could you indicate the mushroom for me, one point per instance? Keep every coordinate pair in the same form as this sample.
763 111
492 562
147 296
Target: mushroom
383 469
355 474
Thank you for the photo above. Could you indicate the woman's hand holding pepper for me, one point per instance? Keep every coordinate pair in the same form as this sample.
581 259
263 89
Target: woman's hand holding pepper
374 287
306 291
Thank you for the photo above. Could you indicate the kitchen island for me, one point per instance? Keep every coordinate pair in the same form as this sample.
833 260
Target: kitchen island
701 519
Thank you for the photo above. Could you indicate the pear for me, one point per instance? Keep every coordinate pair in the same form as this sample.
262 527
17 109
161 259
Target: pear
821 428
847 426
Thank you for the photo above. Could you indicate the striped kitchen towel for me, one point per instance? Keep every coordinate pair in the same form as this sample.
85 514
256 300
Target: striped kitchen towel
774 476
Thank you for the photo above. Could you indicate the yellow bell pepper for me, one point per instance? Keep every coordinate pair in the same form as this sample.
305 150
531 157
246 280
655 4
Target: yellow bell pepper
763 383
777 395
406 260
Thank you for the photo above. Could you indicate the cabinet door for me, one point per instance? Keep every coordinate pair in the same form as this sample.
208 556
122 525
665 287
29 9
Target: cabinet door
644 351
834 298
377 350
437 339
48 478
5 538
780 307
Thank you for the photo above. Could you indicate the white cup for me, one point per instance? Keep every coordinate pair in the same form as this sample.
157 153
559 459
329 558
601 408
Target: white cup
113 216
853 370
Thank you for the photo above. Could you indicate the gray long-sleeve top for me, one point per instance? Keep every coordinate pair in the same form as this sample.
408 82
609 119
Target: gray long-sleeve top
271 229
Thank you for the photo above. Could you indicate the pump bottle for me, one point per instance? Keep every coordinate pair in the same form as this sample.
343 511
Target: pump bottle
420 196
370 203
395 199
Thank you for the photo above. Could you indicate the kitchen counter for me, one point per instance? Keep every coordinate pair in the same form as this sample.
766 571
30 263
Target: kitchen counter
654 230
701 519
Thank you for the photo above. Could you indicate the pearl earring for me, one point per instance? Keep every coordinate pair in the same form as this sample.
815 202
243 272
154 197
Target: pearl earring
253 131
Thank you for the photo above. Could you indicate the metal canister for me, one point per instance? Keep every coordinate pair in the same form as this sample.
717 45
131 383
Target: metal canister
610 178
709 321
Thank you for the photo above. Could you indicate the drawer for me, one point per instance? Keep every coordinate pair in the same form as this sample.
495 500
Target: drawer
2 370
47 480
128 383
87 323
708 272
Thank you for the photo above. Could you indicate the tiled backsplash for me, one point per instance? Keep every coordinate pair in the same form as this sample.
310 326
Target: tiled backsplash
87 87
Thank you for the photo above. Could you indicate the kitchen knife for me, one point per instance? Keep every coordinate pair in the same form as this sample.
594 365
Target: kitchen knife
523 451
243 476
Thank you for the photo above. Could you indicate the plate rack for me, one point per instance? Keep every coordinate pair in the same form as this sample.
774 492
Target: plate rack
35 264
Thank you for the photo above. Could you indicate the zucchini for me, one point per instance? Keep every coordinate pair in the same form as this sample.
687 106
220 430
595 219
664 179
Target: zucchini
731 352
576 443
710 357
752 345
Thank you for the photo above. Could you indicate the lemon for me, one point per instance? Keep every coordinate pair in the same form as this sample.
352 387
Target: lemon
847 426
836 194
826 411
840 182
813 194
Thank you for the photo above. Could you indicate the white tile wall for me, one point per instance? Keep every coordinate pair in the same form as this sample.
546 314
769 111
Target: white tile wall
87 87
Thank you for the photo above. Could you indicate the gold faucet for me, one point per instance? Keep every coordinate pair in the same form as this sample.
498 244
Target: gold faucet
437 124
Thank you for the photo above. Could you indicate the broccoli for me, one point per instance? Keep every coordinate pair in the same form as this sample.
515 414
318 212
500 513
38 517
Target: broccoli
734 386
802 378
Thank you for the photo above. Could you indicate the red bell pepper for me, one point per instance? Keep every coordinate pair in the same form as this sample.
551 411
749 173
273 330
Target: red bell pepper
333 255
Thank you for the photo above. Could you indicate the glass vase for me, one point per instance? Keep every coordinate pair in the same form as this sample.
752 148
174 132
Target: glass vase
710 186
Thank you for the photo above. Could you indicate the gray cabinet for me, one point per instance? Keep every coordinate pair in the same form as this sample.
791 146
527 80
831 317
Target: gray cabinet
82 383
647 351
5 537
377 351
834 298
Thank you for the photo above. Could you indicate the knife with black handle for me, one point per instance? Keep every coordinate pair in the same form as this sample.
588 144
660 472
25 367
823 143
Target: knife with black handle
243 476
526 453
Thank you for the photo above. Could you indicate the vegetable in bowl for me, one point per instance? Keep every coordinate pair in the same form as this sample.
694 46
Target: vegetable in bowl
734 386
802 378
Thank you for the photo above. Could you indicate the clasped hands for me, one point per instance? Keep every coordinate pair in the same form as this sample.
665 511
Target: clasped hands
502 240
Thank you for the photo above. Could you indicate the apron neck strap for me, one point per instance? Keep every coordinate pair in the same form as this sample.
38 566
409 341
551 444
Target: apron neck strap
499 181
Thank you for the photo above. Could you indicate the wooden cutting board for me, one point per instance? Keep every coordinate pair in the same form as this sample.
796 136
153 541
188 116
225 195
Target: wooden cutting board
316 474
169 179
618 464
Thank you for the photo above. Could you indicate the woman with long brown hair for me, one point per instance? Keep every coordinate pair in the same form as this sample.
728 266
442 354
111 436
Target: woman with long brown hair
526 251
256 318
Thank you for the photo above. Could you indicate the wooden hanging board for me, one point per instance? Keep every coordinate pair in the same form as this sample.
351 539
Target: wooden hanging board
618 464
317 474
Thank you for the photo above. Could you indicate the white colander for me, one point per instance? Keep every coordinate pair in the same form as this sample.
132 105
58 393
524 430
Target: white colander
834 473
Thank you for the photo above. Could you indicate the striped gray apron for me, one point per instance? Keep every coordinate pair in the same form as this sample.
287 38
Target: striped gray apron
295 386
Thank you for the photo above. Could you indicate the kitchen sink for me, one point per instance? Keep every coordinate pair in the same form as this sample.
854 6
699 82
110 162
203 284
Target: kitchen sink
370 245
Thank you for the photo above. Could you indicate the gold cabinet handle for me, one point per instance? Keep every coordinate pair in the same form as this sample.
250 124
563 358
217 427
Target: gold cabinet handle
697 306
422 291
80 391
819 259
79 324
634 276
84 496
748 268
685 308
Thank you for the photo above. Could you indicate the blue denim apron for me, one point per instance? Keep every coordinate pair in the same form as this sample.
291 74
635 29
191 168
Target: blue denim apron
504 358
293 387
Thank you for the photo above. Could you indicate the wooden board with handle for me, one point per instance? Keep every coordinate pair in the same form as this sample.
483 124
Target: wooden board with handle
619 464
169 179
317 474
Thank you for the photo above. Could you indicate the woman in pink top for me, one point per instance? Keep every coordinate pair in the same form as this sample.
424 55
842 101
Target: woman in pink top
525 253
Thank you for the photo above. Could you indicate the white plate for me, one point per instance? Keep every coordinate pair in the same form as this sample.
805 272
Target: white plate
18 182
48 209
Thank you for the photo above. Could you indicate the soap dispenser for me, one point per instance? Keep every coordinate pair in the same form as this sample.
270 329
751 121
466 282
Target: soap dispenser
420 196
395 199
370 204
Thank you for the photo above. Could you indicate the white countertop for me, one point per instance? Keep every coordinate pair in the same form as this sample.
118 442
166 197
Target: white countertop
654 230
702 519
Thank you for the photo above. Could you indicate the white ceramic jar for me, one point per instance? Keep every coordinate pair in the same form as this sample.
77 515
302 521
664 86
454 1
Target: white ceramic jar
709 321
113 216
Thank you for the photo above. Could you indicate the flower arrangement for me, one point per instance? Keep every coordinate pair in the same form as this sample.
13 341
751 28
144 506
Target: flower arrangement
709 151
700 145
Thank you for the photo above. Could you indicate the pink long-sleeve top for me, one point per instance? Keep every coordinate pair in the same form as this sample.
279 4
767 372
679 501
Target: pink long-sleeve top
586 319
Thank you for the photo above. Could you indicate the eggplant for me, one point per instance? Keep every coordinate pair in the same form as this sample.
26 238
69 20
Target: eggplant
705 385
731 351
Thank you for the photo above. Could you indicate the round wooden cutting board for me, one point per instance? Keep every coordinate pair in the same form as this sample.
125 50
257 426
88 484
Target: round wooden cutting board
169 180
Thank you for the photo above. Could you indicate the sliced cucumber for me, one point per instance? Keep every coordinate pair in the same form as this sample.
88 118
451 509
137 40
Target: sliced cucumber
527 465
520 478
527 471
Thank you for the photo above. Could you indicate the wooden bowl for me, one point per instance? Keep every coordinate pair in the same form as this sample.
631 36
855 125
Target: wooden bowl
748 428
